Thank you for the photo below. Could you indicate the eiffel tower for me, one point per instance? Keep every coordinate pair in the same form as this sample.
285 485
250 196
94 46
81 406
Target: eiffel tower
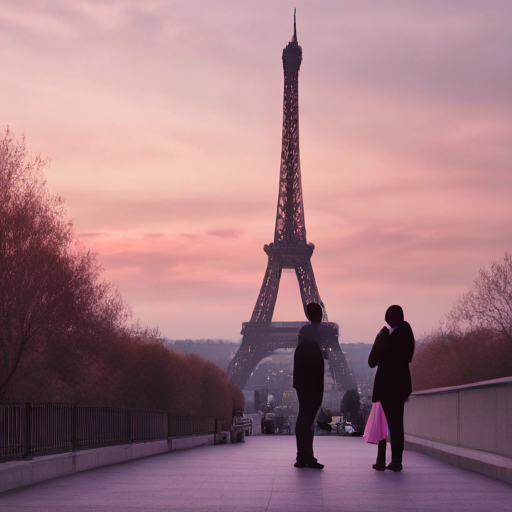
289 250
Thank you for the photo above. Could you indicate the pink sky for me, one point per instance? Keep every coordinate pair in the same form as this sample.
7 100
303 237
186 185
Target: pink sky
163 122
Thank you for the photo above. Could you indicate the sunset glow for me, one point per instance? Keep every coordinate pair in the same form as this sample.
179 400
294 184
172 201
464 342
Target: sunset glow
163 121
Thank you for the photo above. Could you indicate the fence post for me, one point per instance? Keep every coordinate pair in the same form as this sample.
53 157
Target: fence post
74 428
129 425
27 452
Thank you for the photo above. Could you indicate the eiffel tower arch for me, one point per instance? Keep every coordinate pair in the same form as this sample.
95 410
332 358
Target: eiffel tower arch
290 250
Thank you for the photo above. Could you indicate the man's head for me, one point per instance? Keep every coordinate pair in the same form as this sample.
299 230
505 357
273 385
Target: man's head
394 316
315 312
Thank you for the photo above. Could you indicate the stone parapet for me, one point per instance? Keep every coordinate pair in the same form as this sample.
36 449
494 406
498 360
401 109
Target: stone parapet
468 426
27 472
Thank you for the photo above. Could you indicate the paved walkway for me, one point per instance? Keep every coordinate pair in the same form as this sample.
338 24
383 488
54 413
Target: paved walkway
258 476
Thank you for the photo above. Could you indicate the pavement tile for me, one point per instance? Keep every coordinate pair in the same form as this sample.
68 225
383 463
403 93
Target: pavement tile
258 476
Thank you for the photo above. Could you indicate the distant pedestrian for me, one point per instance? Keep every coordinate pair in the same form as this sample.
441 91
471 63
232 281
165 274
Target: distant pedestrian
308 381
391 353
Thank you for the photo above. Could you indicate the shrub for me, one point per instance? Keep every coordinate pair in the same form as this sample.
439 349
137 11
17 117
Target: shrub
65 335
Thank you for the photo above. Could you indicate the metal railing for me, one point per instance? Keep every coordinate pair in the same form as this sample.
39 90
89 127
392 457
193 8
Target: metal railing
29 429
189 425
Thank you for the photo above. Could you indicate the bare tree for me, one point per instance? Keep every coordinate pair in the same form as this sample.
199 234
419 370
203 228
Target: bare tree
474 341
49 286
488 302
64 334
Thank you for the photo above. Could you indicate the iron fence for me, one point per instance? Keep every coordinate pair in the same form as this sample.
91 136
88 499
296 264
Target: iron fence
29 429
189 425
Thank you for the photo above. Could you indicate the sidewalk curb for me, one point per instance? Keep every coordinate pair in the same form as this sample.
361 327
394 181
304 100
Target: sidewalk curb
490 464
14 475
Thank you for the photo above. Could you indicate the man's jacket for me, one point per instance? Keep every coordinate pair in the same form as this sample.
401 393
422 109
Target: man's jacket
308 368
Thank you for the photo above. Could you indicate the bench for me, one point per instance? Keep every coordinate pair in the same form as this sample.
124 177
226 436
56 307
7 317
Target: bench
241 427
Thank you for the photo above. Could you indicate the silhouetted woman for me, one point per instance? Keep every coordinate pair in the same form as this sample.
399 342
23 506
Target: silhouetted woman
391 353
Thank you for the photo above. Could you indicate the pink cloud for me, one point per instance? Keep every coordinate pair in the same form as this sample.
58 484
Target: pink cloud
226 233
164 123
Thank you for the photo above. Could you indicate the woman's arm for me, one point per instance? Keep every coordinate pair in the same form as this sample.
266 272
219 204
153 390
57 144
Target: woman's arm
378 348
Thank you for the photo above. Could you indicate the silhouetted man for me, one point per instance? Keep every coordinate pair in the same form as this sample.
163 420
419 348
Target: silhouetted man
391 353
308 381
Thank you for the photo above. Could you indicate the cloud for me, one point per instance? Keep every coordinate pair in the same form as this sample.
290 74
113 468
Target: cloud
93 210
164 124
226 233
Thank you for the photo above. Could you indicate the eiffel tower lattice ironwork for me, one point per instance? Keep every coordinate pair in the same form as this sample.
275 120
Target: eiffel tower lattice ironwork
289 250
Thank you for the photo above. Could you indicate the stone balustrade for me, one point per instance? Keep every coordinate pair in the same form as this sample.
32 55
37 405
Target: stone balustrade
469 426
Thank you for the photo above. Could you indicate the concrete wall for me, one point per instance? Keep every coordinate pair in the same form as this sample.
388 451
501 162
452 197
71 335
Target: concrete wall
470 426
26 472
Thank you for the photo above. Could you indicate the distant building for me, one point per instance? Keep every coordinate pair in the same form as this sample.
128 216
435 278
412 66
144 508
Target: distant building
219 351
273 375
357 354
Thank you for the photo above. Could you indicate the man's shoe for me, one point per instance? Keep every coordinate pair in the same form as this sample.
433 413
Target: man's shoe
379 466
395 466
315 465
299 465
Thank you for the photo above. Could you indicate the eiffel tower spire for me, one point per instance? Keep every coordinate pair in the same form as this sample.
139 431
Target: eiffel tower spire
290 249
294 39
290 225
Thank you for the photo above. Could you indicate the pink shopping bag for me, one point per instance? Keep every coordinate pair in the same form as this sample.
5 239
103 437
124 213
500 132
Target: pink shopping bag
376 426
